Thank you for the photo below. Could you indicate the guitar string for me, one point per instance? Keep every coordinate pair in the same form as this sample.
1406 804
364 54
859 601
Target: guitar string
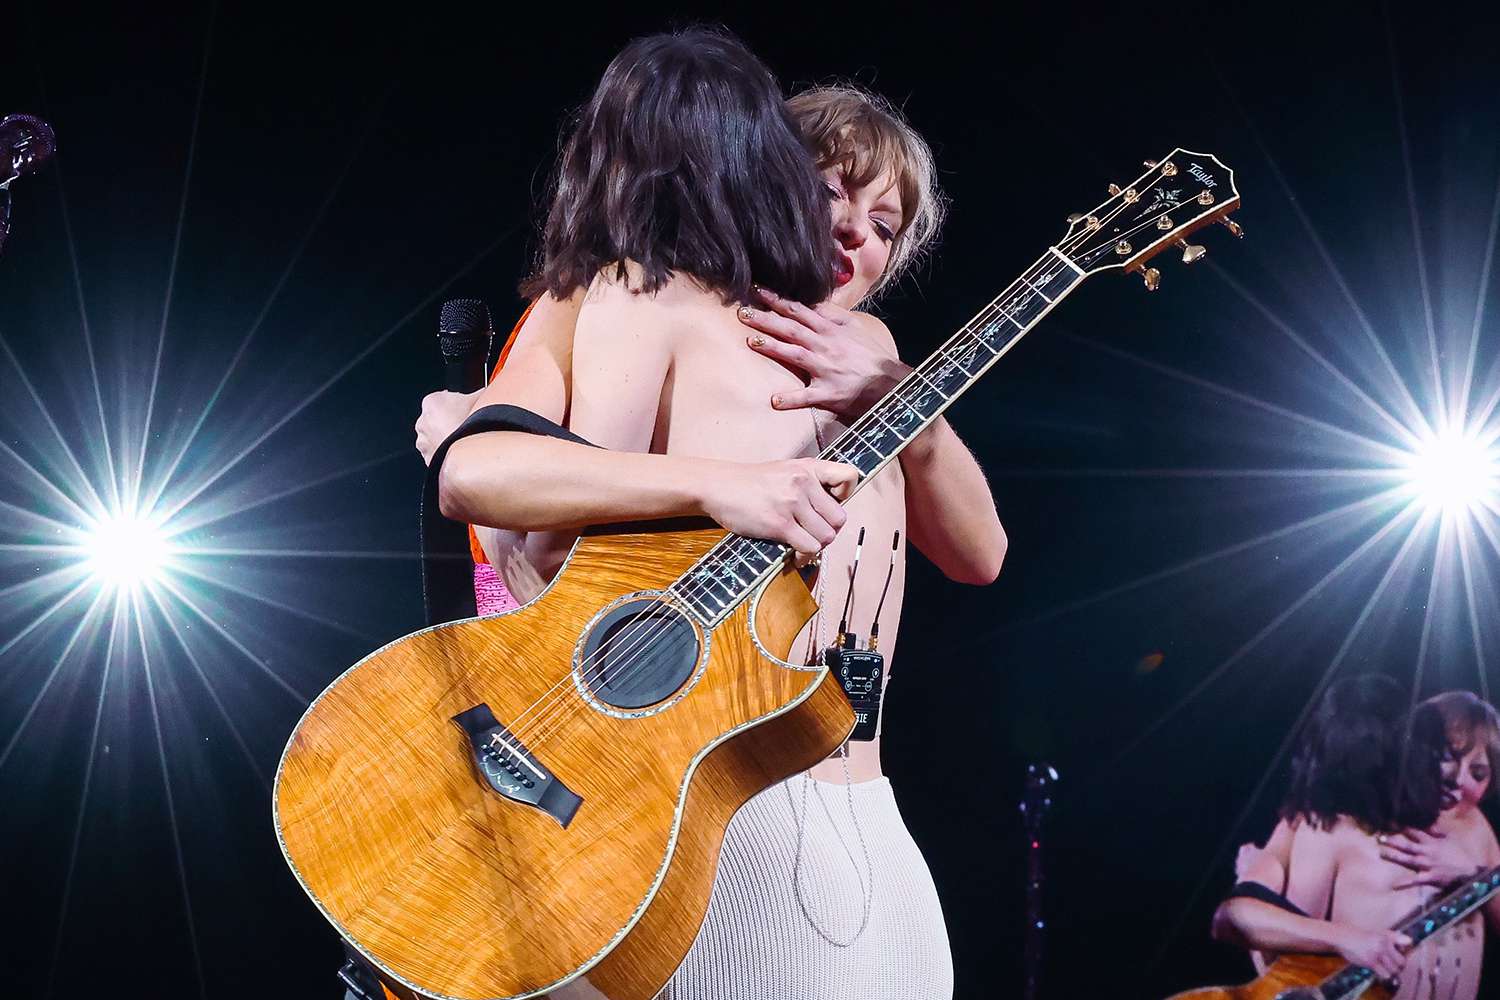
698 587
644 634
988 315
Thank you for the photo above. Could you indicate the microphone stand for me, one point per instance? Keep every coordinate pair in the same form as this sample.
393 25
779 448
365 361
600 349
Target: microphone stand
1034 804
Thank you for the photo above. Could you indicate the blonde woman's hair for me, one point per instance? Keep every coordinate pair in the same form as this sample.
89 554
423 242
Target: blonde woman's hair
1470 720
866 137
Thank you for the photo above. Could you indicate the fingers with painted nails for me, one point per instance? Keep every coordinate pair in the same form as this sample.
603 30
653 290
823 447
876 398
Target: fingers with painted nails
1433 858
845 369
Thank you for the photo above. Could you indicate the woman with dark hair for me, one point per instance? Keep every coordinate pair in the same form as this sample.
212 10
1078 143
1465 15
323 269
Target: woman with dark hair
1352 763
834 901
647 176
1365 768
887 210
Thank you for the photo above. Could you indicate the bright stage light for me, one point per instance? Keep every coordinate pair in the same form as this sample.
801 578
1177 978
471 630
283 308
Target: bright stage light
1454 472
127 551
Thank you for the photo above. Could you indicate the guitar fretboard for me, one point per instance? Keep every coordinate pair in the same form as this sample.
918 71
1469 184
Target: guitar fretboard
1450 909
731 571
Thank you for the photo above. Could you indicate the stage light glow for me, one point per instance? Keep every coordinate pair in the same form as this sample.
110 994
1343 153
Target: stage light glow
1454 472
127 551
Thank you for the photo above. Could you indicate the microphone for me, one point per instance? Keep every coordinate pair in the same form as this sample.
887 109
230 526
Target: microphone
26 142
464 335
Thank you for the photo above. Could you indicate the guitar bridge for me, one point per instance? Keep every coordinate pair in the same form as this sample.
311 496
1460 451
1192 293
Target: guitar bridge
509 769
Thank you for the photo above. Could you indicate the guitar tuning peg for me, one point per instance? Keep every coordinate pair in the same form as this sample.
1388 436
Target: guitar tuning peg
1191 252
1114 189
1152 277
1233 227
1076 217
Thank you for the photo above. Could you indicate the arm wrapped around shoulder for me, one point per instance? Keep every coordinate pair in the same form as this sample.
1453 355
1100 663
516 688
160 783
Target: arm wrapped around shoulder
452 480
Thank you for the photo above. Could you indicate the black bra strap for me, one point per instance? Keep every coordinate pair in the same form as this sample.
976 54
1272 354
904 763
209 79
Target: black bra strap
447 570
1254 890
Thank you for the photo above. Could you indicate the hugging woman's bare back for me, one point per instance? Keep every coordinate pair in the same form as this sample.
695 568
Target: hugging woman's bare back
660 374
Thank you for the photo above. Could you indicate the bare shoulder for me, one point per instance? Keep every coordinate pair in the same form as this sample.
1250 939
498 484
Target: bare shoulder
624 287
1313 841
875 330
623 348
1482 836
1279 843
538 364
1314 865
1306 833
617 311
549 327
1347 833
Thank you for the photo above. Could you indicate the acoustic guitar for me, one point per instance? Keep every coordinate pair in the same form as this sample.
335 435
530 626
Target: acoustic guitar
1329 977
501 806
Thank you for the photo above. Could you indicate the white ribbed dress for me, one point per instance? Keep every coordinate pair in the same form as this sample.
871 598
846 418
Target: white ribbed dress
757 941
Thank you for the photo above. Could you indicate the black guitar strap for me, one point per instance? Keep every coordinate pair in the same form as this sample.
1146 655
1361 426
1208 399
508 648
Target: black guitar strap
1254 890
447 570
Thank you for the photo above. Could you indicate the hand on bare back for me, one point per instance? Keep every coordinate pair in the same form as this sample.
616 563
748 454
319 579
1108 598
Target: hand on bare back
1434 858
846 373
1383 951
795 501
441 414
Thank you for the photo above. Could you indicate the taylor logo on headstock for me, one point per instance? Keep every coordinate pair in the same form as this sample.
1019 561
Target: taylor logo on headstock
1202 175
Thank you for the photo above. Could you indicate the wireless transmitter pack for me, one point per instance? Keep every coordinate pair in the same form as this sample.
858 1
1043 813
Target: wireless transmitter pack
860 671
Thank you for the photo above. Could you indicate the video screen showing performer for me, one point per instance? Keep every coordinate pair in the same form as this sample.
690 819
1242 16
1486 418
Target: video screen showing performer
1380 820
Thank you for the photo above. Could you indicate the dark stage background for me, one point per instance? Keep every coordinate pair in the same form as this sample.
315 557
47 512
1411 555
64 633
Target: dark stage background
286 194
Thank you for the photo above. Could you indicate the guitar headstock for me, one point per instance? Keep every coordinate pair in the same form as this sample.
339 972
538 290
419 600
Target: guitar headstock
1176 196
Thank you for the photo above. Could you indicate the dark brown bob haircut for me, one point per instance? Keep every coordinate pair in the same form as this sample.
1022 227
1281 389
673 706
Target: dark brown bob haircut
687 161
1362 755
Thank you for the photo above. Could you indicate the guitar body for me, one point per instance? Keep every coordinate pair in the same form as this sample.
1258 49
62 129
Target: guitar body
454 890
1290 977
501 807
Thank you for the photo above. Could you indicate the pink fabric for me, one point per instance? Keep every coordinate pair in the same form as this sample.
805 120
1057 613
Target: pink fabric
490 593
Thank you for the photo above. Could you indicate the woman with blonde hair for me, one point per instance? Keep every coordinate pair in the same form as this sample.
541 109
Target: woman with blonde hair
822 897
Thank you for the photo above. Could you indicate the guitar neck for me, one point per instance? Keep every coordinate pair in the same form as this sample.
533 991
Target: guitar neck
732 570
1463 900
907 410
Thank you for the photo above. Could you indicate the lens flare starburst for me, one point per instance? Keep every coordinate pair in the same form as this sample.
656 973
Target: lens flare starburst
127 550
1454 472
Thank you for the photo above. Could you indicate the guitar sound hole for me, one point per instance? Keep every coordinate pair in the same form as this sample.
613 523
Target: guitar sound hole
638 654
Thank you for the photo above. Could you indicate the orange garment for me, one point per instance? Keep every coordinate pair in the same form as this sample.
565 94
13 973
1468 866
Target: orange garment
475 549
